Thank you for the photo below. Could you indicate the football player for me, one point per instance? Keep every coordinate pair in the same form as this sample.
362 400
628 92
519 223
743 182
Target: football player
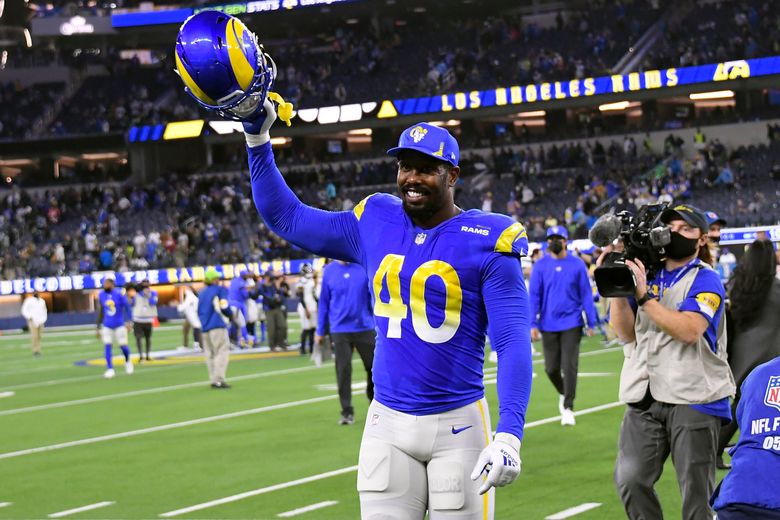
440 277
113 321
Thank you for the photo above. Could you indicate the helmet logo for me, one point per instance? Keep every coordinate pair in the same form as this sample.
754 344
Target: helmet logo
418 133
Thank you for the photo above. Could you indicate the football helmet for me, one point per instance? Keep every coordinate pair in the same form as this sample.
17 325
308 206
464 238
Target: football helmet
222 65
307 270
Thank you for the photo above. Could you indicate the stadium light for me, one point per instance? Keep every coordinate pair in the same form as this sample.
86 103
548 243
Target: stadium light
717 94
533 113
620 105
361 131
449 122
280 141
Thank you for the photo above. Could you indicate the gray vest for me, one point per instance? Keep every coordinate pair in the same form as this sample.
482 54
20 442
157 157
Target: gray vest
676 372
143 312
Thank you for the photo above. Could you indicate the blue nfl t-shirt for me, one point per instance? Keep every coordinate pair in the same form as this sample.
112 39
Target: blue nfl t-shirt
116 308
705 297
755 458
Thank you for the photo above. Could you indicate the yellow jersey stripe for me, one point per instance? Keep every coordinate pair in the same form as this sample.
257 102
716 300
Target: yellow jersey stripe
361 206
241 67
486 429
508 237
187 79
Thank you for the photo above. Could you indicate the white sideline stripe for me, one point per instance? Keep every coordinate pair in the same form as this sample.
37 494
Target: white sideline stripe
573 511
95 377
145 391
5 504
595 374
260 491
313 507
7 394
584 411
164 427
320 476
81 509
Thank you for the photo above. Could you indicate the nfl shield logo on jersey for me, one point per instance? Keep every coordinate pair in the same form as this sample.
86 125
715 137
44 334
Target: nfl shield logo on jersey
420 238
772 397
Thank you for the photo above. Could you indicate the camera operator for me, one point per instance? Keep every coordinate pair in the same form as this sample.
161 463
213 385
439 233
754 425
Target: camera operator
675 377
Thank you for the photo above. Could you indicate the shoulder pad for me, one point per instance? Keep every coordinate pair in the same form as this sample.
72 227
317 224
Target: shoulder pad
377 200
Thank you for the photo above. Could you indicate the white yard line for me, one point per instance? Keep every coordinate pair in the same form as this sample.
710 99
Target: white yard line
320 476
5 504
7 394
81 509
313 507
573 511
164 427
256 492
110 397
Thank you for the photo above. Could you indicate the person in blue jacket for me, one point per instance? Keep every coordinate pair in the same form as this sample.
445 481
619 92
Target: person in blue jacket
344 309
560 292
749 491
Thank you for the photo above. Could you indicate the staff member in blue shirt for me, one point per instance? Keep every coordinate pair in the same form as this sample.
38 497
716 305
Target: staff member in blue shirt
750 488
345 310
560 291
214 313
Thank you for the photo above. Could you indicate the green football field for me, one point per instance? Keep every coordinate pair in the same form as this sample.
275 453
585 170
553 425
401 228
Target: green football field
162 444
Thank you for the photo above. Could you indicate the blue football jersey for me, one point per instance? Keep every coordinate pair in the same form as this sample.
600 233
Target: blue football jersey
116 309
428 305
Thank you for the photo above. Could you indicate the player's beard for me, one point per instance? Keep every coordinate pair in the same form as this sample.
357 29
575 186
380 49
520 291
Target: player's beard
428 208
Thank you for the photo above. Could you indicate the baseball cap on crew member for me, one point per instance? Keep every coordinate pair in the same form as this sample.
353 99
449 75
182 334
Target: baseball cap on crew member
690 214
212 274
557 231
713 218
430 140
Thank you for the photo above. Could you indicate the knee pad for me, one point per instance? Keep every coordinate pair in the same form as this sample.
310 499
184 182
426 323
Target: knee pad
446 485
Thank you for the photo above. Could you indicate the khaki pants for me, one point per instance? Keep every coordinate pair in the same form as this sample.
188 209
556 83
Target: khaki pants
35 336
216 347
277 328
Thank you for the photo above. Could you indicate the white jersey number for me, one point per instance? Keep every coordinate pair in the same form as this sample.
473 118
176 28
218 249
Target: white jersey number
396 310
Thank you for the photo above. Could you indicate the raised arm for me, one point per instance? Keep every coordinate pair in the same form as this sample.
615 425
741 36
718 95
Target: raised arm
331 234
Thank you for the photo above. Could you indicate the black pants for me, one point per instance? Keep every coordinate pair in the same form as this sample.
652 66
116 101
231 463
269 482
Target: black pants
307 341
561 361
143 330
343 343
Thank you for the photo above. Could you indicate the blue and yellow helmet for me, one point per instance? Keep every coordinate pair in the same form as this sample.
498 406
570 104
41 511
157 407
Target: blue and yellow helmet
221 63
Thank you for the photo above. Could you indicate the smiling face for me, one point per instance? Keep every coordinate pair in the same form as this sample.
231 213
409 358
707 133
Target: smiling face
424 187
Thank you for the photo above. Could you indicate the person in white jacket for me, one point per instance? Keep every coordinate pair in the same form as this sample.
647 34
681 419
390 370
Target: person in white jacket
34 311
189 308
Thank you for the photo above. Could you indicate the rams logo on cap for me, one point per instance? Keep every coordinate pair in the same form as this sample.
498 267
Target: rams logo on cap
418 133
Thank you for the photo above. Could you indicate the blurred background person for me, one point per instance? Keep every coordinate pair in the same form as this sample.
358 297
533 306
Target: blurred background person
215 313
113 321
252 310
143 302
345 310
307 308
753 323
34 311
238 295
560 292
189 308
273 305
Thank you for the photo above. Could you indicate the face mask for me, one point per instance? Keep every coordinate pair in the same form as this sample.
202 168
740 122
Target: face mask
714 240
556 246
681 247
107 289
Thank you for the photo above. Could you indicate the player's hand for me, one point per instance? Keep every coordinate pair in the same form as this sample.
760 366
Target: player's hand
640 276
260 125
318 339
589 332
535 334
500 460
308 314
97 333
129 326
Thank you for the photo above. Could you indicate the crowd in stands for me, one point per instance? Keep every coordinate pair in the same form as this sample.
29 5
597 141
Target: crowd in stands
208 219
715 32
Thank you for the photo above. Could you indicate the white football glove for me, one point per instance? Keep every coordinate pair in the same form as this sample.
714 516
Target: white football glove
258 131
501 460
